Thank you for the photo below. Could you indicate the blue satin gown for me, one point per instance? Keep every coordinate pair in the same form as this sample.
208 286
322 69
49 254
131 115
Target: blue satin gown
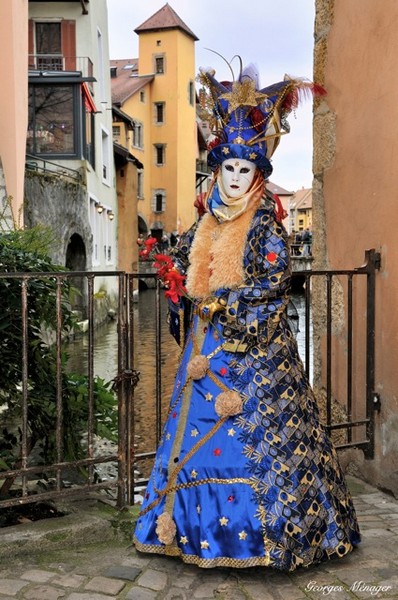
262 487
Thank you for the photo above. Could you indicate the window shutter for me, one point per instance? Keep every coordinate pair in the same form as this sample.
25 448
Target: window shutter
68 40
31 48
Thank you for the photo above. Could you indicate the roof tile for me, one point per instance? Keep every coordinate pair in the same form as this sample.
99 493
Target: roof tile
165 18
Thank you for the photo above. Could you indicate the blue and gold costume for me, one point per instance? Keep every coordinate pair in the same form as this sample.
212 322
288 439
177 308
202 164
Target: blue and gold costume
263 486
245 474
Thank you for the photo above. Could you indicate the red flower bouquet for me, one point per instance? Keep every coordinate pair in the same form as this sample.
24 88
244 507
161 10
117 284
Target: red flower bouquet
150 244
172 279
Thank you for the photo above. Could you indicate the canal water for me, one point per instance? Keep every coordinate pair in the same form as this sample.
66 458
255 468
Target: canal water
105 359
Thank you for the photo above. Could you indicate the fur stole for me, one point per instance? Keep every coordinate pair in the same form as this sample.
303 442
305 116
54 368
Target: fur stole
216 256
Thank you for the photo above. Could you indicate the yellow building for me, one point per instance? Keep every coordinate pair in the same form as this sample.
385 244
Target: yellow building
158 92
126 168
300 210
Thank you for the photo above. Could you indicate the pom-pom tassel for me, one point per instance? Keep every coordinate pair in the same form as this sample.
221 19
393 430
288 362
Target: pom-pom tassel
165 529
198 366
228 404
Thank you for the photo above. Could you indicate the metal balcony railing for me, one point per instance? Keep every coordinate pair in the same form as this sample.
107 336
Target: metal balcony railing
58 62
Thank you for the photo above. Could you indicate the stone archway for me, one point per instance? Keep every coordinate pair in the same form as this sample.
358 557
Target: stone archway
75 260
76 253
142 226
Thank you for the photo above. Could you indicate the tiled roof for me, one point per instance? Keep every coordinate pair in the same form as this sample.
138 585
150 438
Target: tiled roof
277 189
165 18
302 199
126 83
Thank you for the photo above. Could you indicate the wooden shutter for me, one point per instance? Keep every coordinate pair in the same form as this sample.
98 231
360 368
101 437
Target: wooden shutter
31 46
68 41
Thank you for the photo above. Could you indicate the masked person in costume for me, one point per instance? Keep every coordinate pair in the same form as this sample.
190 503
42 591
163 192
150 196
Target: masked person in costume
245 473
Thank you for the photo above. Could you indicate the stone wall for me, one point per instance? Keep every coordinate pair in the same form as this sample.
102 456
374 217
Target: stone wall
354 202
62 205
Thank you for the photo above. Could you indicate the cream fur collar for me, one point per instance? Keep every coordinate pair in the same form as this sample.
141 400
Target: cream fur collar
216 256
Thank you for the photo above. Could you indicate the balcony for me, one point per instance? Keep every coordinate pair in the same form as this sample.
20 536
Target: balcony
83 3
57 62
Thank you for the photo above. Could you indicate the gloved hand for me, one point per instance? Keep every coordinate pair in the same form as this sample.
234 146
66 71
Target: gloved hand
208 308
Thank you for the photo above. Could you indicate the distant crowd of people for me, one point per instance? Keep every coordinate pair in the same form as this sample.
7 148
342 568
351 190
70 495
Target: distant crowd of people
162 245
301 242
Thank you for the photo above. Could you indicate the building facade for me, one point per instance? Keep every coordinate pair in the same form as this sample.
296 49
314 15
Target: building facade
158 91
13 104
355 183
300 210
70 176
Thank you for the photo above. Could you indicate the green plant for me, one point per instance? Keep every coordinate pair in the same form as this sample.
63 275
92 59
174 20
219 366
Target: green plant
23 252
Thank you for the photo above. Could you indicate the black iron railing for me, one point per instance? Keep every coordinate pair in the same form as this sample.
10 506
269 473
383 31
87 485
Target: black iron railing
137 440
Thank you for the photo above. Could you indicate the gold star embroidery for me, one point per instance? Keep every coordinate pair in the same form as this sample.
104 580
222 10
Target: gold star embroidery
242 535
209 397
253 155
231 431
198 509
194 432
223 521
204 545
184 540
225 150
168 436
243 94
194 474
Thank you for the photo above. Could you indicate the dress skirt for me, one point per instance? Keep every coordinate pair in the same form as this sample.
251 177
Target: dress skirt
245 473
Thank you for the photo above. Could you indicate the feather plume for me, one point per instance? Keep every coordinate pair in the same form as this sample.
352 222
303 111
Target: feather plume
298 91
250 72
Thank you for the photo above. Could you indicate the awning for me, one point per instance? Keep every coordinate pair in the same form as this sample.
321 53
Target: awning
88 99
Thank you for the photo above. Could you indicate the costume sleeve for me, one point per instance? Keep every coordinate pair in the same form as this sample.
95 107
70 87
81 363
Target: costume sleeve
180 313
253 310
180 253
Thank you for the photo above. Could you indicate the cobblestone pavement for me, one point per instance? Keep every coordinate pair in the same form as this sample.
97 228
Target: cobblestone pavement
113 569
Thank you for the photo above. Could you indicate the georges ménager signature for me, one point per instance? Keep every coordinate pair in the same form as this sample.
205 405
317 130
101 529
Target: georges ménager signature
357 586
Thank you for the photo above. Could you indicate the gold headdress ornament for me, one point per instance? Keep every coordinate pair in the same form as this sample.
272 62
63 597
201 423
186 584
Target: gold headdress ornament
247 122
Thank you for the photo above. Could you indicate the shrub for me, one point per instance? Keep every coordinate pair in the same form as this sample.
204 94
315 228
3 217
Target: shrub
23 252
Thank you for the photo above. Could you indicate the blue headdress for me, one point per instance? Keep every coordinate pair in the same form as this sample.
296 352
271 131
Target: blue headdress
247 122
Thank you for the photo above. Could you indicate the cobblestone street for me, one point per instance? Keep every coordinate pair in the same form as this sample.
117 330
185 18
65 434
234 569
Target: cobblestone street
108 569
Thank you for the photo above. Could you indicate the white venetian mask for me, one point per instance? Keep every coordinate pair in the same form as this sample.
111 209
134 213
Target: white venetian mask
237 175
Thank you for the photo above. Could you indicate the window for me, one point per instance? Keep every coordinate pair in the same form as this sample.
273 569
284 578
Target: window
191 93
140 185
106 160
102 227
159 201
48 46
142 96
108 237
101 65
116 133
95 229
159 65
138 134
159 112
89 147
159 154
52 123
